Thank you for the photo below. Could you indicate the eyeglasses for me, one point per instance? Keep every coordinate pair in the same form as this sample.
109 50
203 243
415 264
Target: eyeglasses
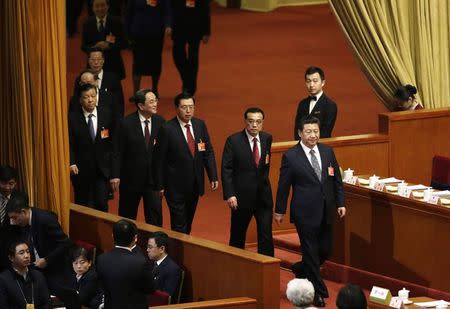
252 121
187 107
151 247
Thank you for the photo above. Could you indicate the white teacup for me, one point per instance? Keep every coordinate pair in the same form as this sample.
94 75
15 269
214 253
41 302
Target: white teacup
348 174
427 195
403 294
373 180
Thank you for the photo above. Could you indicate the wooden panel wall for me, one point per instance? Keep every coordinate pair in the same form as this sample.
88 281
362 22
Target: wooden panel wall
213 270
231 303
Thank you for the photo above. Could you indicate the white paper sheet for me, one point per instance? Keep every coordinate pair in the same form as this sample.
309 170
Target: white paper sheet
432 303
418 187
389 180
441 193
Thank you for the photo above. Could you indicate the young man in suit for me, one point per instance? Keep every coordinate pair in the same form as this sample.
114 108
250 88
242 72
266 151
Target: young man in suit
105 32
21 285
106 81
311 169
125 275
317 104
136 138
245 181
47 242
191 25
182 152
92 155
166 273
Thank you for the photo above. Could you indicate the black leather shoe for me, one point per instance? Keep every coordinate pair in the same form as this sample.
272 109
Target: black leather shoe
318 301
298 270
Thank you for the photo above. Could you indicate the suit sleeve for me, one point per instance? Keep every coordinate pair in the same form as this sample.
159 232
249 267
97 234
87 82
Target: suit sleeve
3 294
72 155
209 160
172 281
328 123
42 291
56 234
119 139
298 117
338 187
147 278
227 170
284 184
86 45
159 156
117 30
89 289
206 22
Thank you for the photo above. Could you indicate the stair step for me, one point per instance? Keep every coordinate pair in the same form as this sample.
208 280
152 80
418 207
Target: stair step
289 242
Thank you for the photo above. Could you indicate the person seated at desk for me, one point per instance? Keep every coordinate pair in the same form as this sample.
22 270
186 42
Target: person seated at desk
406 98
351 297
166 272
300 292
84 279
21 286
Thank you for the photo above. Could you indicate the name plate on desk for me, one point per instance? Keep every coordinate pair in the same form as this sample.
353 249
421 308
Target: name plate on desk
379 186
433 200
380 295
352 180
395 302
404 192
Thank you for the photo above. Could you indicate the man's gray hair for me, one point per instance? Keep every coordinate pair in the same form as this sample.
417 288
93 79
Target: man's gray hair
300 292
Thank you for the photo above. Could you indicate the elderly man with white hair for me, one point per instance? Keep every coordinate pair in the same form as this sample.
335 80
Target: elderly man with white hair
300 293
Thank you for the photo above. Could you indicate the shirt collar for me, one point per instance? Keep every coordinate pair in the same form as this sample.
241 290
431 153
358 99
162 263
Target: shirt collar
104 19
307 150
86 113
318 96
182 123
250 138
158 262
126 248
142 118
31 216
100 75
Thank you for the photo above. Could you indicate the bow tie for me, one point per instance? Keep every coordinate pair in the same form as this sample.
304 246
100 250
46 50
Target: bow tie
313 97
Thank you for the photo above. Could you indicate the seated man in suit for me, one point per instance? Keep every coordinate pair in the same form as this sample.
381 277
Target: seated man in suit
22 286
317 104
125 274
167 274
47 242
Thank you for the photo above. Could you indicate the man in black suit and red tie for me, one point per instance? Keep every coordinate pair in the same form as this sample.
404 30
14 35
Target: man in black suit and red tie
91 150
136 138
245 181
182 152
311 169
317 104
105 32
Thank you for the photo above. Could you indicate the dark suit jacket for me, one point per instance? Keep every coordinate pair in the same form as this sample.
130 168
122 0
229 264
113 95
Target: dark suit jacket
241 177
167 276
325 110
88 288
86 154
11 296
126 279
191 22
91 35
134 158
111 83
310 197
175 170
6 236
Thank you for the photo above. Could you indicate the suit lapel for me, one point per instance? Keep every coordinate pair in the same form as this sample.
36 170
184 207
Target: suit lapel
323 158
83 124
262 153
247 148
137 128
318 104
305 161
181 134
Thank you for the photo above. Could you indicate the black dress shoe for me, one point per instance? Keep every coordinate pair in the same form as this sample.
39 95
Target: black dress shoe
318 301
298 270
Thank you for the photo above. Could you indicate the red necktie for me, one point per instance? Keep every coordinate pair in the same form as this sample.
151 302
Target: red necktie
256 155
146 133
190 139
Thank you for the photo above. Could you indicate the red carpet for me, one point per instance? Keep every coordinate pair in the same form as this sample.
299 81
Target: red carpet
258 59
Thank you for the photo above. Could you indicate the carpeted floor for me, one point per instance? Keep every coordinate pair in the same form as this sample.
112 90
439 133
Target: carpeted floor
258 59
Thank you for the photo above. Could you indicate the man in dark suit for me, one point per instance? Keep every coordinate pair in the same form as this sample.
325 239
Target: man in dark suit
136 137
191 24
91 150
21 285
317 104
313 172
182 152
125 275
166 273
8 183
106 81
245 181
105 32
41 230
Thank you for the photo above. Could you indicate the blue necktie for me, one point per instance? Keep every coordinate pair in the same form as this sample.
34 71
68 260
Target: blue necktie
91 127
315 164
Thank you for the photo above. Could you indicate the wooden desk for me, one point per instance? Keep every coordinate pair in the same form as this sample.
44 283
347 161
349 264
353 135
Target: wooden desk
373 305
213 271
386 234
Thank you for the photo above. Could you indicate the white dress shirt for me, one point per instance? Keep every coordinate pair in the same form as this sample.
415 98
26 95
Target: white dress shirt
250 140
313 103
182 125
142 120
94 117
307 151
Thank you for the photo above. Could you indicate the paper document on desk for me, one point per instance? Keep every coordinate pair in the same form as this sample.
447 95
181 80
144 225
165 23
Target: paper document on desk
441 193
432 303
417 187
389 180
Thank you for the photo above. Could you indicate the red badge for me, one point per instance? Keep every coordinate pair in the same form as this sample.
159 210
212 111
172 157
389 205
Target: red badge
111 38
152 3
190 3
201 146
267 159
330 171
104 133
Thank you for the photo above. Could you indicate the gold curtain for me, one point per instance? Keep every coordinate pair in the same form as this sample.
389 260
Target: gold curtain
400 42
33 100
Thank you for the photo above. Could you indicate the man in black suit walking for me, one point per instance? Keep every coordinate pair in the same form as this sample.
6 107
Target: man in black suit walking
191 24
105 32
182 152
245 181
125 275
317 104
136 137
91 150
166 273
311 169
